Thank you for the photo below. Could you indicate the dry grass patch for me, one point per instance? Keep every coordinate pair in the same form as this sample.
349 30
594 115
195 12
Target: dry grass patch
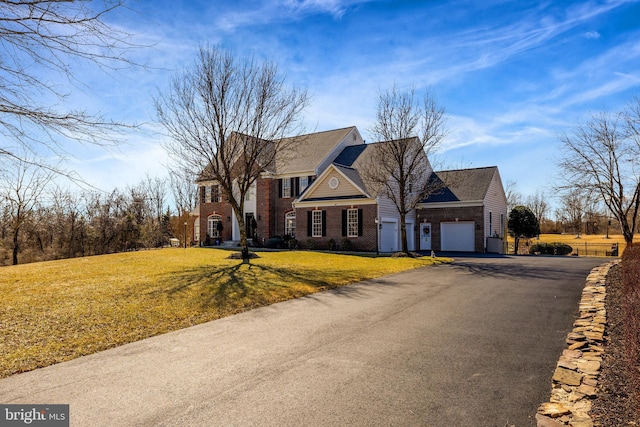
58 310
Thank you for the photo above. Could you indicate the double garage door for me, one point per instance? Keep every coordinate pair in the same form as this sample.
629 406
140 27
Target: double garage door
457 236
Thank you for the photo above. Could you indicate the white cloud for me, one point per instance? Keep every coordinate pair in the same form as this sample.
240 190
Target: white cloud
592 35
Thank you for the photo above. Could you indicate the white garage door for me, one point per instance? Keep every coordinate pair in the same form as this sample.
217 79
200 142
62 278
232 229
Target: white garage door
457 236
389 236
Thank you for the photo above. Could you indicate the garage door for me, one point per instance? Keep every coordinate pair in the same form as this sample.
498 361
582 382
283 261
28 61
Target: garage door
389 236
457 236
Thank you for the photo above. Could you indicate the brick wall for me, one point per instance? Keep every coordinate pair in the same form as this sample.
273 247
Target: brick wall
265 207
220 208
366 242
282 206
436 216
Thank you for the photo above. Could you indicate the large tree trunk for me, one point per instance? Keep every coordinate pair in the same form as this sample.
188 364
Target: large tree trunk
244 244
403 233
16 246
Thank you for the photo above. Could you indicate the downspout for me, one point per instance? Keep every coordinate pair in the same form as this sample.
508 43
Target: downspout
378 223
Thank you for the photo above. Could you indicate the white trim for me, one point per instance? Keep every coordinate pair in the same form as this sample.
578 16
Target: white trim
334 182
464 204
332 202
295 174
311 188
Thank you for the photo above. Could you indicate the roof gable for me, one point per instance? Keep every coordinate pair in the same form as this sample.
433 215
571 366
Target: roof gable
335 183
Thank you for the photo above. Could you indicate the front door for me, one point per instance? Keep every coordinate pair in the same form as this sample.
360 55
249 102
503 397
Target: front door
425 236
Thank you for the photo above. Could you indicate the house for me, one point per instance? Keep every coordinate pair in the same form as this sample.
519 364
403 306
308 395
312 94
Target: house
268 206
467 215
320 196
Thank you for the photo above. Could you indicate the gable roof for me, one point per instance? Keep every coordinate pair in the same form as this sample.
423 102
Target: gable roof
462 185
312 149
348 187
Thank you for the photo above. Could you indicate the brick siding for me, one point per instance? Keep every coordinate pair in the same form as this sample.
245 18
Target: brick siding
439 215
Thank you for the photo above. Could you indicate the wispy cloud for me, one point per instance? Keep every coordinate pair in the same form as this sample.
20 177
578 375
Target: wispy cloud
489 44
283 11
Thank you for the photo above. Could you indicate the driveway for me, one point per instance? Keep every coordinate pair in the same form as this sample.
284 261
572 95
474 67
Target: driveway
473 343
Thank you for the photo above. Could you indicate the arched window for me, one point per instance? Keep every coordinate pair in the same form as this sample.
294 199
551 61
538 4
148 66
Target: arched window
214 226
290 223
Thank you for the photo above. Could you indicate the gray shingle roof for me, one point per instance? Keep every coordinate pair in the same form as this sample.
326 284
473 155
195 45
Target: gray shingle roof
462 185
350 154
312 149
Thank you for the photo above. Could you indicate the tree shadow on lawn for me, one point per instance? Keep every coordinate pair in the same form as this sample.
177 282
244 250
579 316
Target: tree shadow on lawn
242 286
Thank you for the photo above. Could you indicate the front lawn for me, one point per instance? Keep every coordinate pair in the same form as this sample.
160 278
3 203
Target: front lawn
59 310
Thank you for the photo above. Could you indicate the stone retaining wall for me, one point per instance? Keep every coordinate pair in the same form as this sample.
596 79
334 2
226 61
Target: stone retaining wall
575 379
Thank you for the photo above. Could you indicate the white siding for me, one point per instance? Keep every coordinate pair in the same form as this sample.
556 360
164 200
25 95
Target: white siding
496 203
344 188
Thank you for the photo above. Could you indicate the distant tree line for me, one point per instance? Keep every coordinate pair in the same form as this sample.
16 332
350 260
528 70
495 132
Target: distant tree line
574 212
47 223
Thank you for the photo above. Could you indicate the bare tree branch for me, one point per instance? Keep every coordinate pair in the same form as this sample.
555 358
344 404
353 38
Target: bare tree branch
41 41
409 130
229 119
600 158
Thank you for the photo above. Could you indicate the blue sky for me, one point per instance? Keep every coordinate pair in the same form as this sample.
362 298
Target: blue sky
511 75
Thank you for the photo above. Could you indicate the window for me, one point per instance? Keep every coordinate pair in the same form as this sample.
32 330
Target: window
317 224
304 183
490 224
214 226
210 194
352 222
286 188
251 193
196 229
215 193
290 224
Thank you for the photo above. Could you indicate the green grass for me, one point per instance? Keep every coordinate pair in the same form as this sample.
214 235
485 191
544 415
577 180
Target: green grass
59 310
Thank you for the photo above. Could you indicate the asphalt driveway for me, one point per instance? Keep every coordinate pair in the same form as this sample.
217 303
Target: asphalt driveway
473 343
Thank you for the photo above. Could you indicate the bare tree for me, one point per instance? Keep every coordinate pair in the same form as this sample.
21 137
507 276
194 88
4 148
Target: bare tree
600 158
538 205
184 189
514 197
410 129
21 186
40 42
571 210
228 119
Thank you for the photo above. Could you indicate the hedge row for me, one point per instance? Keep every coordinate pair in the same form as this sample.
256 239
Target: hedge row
551 249
631 310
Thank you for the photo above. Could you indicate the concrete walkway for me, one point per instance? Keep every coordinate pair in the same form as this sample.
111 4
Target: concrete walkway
469 344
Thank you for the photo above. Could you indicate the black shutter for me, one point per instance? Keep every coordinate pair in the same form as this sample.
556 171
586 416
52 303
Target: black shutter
360 222
344 222
202 193
280 188
309 225
296 185
324 223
